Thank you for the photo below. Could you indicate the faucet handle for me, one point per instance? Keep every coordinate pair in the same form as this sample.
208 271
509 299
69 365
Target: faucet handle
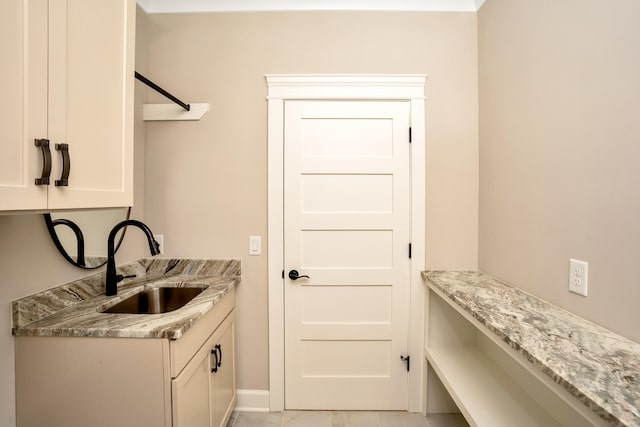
120 277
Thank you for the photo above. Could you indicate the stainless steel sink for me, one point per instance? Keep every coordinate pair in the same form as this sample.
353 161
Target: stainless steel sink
155 300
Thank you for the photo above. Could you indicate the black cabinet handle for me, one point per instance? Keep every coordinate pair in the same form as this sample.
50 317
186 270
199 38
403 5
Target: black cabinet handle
219 349
66 165
46 161
294 275
215 364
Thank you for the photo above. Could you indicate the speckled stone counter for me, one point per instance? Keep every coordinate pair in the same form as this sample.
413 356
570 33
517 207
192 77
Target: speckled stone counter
600 368
74 309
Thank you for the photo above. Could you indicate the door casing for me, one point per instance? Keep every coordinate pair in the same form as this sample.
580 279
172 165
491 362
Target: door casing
284 87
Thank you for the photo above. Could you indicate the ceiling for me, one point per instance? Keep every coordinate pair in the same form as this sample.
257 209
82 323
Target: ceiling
195 6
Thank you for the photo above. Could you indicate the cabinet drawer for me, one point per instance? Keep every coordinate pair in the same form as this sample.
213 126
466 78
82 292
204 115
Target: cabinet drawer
183 349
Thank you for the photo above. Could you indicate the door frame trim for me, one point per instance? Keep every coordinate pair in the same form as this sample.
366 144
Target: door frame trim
284 87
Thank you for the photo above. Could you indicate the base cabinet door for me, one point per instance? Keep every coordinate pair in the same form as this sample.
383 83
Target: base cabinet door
191 399
204 393
223 384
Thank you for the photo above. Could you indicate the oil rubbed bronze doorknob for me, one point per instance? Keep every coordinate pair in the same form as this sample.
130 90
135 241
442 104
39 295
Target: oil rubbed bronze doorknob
294 275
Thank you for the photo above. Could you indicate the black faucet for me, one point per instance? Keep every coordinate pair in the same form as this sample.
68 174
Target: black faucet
112 277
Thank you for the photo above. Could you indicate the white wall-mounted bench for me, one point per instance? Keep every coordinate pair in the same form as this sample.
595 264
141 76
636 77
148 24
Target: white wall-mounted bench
503 357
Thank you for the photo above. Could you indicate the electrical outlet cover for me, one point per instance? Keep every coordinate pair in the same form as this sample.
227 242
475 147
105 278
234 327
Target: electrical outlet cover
578 277
160 239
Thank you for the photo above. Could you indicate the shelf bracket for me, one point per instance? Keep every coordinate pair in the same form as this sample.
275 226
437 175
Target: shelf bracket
163 112
161 91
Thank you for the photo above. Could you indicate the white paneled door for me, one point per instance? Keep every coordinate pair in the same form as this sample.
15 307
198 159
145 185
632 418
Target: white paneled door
347 227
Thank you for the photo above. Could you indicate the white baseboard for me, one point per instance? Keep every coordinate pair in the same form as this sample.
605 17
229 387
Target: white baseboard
253 401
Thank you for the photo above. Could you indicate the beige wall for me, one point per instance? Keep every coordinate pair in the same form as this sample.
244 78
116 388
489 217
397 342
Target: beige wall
559 151
205 183
30 263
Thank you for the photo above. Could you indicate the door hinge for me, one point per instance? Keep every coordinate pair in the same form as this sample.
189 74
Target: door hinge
410 135
409 250
283 274
408 360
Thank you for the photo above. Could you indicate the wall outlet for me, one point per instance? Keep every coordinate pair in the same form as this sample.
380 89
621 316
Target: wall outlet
160 239
578 276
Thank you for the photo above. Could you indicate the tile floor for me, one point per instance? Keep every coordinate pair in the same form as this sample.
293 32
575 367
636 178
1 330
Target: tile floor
327 419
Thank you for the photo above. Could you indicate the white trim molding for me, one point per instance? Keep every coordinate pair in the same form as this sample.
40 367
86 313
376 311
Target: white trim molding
204 6
252 401
362 87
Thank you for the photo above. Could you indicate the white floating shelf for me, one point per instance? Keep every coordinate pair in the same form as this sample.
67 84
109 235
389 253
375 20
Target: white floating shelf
165 112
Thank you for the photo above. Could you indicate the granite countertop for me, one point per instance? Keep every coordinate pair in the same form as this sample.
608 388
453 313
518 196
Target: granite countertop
73 309
597 366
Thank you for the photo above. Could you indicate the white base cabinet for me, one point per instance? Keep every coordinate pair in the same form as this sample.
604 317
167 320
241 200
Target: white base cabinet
137 382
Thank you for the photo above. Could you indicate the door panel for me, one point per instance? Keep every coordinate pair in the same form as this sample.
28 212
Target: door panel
346 248
349 304
353 137
346 225
346 359
358 193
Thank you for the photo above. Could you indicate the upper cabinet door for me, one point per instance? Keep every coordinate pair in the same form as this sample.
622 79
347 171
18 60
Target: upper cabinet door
90 103
23 104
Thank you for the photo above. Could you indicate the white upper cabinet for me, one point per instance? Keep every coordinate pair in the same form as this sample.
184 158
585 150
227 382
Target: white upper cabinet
68 79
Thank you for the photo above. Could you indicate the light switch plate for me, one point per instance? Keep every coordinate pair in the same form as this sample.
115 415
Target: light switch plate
255 245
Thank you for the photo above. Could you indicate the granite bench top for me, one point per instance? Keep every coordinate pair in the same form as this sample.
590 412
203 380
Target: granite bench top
597 366
74 309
